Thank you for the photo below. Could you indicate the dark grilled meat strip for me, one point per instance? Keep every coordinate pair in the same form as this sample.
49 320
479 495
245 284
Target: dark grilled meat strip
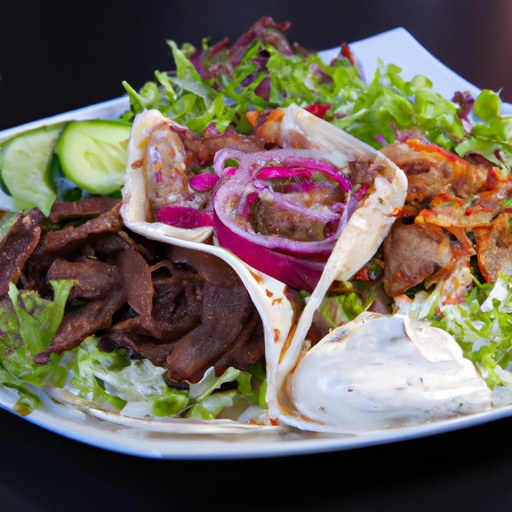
64 241
94 278
77 325
176 310
202 150
17 246
137 346
136 278
177 307
225 311
247 348
89 207
208 267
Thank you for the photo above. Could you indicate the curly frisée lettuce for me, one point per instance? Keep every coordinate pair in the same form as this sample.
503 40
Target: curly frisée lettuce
482 325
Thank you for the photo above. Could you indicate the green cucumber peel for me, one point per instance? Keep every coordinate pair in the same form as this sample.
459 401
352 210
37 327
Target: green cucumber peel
93 154
25 171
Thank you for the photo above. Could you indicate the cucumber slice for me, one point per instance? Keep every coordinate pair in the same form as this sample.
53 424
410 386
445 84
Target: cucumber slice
25 167
93 154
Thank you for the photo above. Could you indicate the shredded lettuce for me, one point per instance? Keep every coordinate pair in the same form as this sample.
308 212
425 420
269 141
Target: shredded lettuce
27 400
389 103
482 325
307 80
111 381
136 387
225 99
338 309
209 404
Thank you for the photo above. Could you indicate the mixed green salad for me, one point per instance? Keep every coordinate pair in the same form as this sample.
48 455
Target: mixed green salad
223 86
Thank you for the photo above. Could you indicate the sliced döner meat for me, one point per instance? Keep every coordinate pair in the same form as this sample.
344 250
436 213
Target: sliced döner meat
412 253
88 319
225 311
198 320
106 244
136 278
211 269
91 206
247 349
137 346
363 173
94 278
64 241
494 247
176 310
202 150
17 246
432 171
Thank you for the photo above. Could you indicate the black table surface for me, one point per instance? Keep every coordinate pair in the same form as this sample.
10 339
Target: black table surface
58 56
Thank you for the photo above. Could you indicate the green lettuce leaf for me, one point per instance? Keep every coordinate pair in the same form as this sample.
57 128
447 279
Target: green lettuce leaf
491 133
390 103
28 325
111 381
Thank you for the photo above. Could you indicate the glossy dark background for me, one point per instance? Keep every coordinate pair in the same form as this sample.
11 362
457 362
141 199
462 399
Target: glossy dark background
58 56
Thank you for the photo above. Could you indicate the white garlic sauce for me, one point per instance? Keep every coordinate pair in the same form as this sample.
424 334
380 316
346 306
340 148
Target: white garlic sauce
380 372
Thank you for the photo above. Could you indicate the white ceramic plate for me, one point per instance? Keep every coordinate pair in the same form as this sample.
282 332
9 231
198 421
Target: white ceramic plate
150 439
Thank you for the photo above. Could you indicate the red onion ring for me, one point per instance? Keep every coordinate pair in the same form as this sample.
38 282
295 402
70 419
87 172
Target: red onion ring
296 263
